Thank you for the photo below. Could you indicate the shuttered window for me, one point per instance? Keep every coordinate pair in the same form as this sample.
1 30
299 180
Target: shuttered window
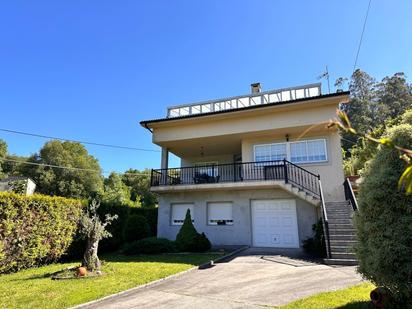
179 213
220 213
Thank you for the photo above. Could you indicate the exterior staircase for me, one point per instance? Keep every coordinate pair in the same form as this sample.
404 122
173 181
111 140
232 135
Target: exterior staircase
341 233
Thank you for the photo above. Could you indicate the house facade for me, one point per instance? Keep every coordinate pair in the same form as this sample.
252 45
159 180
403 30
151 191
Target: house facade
256 169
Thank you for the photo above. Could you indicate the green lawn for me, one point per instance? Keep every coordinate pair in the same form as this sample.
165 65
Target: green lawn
33 288
356 297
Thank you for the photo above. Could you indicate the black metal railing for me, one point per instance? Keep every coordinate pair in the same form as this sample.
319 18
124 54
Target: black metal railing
349 194
302 178
237 172
325 221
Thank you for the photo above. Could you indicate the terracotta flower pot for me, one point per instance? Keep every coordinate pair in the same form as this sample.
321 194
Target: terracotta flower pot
81 271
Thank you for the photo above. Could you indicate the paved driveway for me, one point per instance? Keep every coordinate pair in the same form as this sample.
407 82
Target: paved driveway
247 281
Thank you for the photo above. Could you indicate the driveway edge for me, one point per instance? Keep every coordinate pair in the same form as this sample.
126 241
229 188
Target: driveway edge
153 283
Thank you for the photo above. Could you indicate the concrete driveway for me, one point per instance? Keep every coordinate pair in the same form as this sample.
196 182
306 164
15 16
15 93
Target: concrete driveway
248 281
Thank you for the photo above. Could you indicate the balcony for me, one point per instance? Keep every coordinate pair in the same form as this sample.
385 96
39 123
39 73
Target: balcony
242 172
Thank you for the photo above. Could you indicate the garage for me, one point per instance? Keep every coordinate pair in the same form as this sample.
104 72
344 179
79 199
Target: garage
274 223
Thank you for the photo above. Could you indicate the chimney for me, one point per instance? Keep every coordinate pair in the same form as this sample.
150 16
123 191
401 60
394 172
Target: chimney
255 87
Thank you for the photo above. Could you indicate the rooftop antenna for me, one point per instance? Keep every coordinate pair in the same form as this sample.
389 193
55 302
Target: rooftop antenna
325 75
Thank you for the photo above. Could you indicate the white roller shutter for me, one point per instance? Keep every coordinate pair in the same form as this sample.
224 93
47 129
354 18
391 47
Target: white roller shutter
179 213
220 213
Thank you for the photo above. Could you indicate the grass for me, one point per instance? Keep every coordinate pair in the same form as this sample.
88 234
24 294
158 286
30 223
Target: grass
33 288
356 297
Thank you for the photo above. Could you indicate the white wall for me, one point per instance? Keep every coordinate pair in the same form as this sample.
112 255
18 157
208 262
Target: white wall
240 233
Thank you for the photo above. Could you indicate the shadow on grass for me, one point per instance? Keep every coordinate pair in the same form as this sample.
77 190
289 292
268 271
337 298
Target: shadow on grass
356 305
190 258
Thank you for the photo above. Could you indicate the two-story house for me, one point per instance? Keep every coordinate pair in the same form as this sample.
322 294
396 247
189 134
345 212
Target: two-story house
256 169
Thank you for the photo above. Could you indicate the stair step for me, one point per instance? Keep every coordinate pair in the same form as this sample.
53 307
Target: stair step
340 221
343 226
343 255
344 237
341 249
340 232
339 210
338 242
346 262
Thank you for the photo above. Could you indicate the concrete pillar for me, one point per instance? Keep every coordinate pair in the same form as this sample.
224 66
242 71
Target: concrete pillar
165 158
164 165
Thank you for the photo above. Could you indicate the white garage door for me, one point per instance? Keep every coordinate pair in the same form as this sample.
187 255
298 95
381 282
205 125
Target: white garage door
275 224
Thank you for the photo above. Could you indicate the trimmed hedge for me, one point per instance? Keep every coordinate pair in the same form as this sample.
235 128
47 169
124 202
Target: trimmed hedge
119 228
35 230
137 228
151 245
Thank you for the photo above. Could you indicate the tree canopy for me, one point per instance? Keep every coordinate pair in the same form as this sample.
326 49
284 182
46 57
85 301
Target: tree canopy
373 107
83 181
80 182
3 153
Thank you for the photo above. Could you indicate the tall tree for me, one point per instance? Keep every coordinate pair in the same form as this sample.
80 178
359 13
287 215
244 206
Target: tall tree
3 154
81 182
115 191
359 109
394 96
139 184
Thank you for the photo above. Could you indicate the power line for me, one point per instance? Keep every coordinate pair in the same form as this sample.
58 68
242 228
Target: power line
361 38
70 168
77 141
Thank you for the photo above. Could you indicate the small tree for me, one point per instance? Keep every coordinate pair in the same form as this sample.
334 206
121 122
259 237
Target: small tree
186 234
94 230
188 239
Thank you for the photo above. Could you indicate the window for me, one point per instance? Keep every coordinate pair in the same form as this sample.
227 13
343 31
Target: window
306 151
179 213
219 213
208 168
270 152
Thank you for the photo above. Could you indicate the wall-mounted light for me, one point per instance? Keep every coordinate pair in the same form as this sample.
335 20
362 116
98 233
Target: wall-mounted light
287 137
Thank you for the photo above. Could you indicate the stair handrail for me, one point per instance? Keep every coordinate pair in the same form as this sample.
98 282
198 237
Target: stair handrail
349 194
325 221
300 167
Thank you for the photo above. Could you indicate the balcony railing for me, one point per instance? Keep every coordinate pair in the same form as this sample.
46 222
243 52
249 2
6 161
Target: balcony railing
260 98
239 172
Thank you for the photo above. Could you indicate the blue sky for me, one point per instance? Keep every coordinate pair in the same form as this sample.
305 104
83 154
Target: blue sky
91 70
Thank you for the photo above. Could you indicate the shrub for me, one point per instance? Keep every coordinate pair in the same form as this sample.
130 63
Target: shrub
316 245
137 228
186 234
35 229
200 244
151 216
151 245
188 239
384 220
407 117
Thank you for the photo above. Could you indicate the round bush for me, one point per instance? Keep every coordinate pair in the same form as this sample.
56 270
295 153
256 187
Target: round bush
384 220
137 228
151 245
